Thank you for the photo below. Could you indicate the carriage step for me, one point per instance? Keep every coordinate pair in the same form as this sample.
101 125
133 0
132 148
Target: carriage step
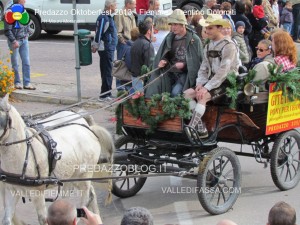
194 136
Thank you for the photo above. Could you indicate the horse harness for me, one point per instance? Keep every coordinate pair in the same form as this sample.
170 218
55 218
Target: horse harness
53 156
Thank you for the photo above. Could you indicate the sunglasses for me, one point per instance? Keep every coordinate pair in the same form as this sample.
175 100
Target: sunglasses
260 49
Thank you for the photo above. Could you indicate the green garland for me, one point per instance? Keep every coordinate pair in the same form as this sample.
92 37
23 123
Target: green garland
235 86
288 82
140 109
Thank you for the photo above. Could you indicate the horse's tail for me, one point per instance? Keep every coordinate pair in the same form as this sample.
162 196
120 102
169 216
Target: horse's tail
89 119
108 146
105 140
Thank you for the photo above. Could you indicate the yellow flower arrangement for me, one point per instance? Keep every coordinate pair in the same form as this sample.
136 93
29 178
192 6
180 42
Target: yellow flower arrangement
7 77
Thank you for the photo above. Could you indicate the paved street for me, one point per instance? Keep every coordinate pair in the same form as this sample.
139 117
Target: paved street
53 73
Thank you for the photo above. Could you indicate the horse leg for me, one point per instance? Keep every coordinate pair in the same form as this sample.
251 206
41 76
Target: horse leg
10 203
40 207
88 196
92 204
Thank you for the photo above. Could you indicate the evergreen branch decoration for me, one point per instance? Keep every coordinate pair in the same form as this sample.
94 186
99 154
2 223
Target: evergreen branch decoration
170 107
288 82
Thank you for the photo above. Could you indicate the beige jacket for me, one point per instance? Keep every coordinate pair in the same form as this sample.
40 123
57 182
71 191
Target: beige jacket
273 21
262 71
124 22
213 71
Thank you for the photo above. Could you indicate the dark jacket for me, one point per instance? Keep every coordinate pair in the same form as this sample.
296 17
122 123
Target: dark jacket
142 53
286 16
242 17
106 32
193 60
126 53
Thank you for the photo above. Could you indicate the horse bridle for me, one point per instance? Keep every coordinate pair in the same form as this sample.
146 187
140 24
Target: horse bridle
8 122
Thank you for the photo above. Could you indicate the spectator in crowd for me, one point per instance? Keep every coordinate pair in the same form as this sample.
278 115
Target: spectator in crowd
285 50
153 7
273 22
63 212
17 39
275 8
240 8
238 36
105 43
260 64
226 12
228 32
137 216
125 22
142 54
206 9
127 53
296 26
259 14
286 18
163 28
195 23
182 51
282 214
189 13
220 59
226 222
142 6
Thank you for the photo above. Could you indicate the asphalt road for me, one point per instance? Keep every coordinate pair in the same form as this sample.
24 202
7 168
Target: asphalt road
51 65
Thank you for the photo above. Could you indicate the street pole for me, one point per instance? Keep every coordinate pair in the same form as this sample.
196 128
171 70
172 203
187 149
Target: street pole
76 52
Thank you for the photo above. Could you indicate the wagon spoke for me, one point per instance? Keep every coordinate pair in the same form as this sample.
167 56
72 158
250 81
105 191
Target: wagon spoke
134 180
122 183
287 173
283 151
219 197
128 180
221 161
225 164
283 164
212 173
294 169
291 145
223 195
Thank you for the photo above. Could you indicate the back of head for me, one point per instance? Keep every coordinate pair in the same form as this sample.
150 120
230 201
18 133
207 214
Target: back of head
240 7
144 26
258 2
226 222
137 216
284 45
282 214
135 33
61 212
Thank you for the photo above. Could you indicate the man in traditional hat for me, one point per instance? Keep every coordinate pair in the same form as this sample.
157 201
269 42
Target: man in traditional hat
182 50
220 59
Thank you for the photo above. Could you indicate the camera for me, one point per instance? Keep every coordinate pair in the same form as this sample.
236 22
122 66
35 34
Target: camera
81 213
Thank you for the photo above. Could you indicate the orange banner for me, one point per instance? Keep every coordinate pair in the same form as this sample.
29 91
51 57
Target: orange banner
282 114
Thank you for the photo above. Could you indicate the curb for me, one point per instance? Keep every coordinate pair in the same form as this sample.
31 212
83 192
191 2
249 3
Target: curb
31 97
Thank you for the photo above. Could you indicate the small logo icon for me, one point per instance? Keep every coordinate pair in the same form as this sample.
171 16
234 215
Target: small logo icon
17 15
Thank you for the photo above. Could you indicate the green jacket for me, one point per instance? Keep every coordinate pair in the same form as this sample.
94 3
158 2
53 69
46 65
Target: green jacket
193 60
243 49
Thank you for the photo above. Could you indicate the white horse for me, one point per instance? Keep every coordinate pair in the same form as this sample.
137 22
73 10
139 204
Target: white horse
80 146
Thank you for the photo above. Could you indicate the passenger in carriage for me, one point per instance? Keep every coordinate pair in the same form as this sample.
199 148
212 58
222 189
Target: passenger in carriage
285 50
220 59
181 49
261 62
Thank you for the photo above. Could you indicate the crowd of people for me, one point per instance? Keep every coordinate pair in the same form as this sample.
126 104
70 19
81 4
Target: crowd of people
63 212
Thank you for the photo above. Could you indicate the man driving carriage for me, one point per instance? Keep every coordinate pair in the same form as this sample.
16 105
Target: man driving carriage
220 59
181 49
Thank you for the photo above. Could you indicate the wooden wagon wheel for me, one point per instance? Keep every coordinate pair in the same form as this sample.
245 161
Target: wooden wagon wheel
128 187
219 180
285 160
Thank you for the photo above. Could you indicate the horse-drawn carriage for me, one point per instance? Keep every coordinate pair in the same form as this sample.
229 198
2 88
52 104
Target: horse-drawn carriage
217 169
